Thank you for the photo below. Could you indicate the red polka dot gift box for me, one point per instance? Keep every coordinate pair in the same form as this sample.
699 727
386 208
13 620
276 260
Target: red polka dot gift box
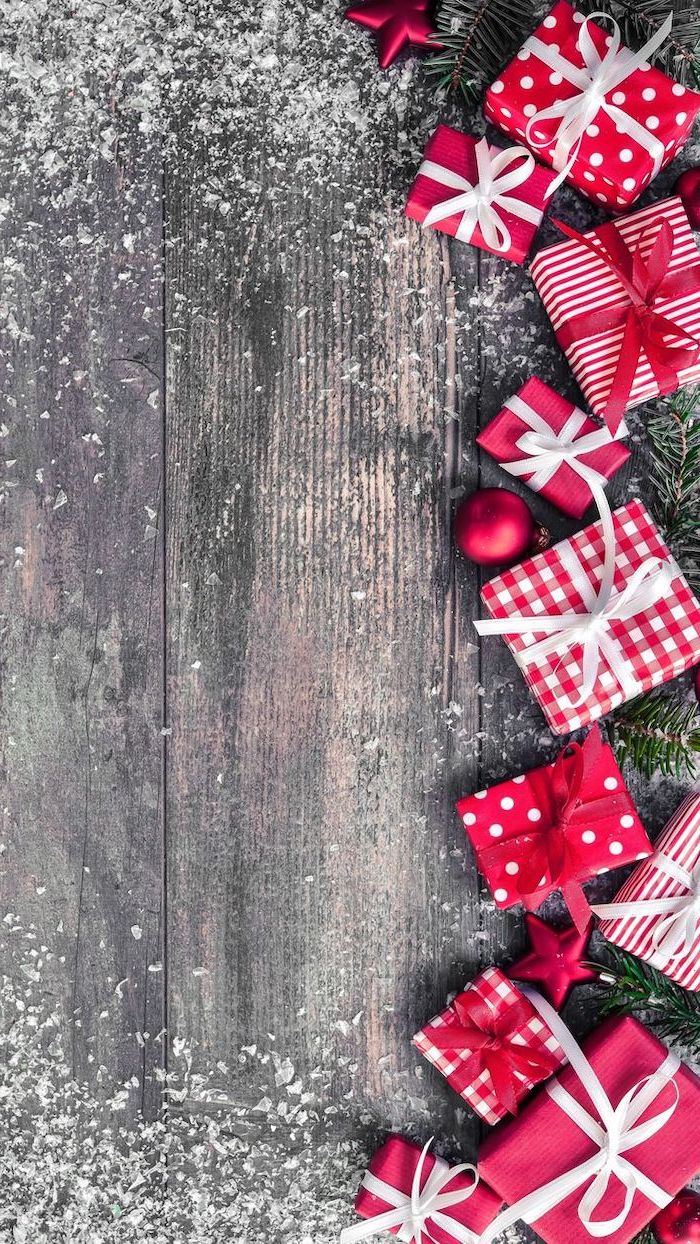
553 447
491 197
598 112
414 1194
555 827
594 287
491 1046
596 619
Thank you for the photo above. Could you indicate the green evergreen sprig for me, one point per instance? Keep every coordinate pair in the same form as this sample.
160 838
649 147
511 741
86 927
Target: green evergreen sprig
478 37
631 985
674 436
640 19
658 733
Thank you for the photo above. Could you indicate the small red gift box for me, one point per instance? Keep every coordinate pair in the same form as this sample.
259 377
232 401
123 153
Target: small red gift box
555 827
592 287
459 1205
619 1146
490 197
596 619
555 448
613 142
491 1045
656 914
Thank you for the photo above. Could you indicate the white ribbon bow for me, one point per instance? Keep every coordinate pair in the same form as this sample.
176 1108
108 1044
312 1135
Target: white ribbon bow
614 1133
649 584
545 449
412 1213
594 82
673 936
479 203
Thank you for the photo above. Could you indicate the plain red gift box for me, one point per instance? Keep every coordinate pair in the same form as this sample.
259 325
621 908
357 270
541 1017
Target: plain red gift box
395 1163
566 489
456 151
542 1142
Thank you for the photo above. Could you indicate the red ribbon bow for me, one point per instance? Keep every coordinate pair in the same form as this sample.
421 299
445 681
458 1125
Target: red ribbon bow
487 1036
546 852
646 283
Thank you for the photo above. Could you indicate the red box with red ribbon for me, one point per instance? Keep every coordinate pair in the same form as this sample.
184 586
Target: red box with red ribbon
490 197
555 827
624 301
491 1046
406 1188
553 447
608 142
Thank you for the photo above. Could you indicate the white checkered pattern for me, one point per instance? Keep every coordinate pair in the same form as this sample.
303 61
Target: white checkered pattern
495 988
658 644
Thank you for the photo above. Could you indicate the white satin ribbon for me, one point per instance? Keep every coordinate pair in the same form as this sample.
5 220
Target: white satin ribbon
673 936
614 1133
647 586
479 202
594 82
413 1213
545 450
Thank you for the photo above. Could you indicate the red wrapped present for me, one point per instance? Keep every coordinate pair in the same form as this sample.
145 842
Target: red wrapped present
555 448
491 1045
656 914
604 1146
490 197
593 287
555 827
605 119
596 619
416 1195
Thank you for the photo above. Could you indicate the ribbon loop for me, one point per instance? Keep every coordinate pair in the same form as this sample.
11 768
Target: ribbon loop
545 449
674 934
498 173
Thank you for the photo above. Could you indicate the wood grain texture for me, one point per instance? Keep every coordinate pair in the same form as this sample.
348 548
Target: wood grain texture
82 643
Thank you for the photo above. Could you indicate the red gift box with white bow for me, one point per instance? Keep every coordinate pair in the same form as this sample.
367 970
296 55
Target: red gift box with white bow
553 447
491 1046
595 110
491 197
597 619
555 827
415 1194
656 914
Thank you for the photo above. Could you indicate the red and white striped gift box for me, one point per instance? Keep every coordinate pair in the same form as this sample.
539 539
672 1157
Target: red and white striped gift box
500 995
658 643
680 843
572 281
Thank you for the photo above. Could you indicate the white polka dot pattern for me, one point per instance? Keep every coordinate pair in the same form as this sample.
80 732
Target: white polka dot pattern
648 96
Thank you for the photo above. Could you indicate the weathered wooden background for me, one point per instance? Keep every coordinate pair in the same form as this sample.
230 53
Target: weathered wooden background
240 685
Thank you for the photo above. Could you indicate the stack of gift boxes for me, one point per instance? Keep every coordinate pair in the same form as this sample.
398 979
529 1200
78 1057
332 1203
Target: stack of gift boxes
610 1136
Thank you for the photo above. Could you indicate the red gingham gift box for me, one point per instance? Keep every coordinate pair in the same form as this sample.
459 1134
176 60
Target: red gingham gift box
580 802
669 938
453 162
642 123
651 646
522 1050
553 447
577 286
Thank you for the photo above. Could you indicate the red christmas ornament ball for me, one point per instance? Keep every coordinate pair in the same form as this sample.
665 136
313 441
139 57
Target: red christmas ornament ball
679 1222
688 187
494 526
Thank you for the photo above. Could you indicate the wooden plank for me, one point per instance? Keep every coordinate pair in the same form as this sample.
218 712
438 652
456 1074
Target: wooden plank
81 385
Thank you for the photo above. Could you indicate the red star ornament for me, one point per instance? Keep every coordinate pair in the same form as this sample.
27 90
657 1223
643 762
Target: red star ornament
554 961
396 23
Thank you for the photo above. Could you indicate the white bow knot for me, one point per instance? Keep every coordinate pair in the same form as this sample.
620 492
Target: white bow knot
497 174
674 934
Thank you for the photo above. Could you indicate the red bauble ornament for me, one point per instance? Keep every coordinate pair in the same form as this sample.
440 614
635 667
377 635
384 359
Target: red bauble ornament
555 962
679 1222
495 526
396 23
688 187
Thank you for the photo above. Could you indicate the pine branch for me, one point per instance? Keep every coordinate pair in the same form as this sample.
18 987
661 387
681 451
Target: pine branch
478 37
640 19
645 1237
674 434
658 733
631 985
